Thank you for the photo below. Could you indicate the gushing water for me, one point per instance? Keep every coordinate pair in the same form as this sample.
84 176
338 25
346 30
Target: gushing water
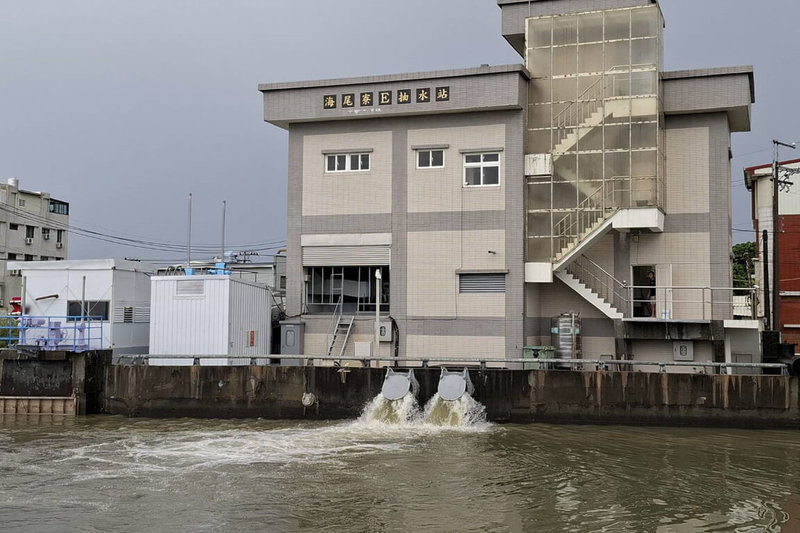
464 412
380 409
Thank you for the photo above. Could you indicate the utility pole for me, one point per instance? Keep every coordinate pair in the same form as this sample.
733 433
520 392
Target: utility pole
767 309
222 256
189 236
776 269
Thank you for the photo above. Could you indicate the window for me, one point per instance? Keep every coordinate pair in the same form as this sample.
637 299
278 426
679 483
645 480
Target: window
12 257
346 162
59 208
481 283
28 257
481 169
353 286
59 235
30 231
43 258
45 233
430 158
13 227
21 202
94 309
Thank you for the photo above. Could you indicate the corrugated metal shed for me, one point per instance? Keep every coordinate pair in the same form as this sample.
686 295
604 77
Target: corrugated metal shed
209 315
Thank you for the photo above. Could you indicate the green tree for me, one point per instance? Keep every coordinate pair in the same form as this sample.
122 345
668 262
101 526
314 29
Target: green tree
743 272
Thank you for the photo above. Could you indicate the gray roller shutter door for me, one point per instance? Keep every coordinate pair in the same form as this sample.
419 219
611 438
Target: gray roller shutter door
346 255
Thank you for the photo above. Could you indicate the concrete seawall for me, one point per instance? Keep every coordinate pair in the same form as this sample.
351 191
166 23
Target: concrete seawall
509 395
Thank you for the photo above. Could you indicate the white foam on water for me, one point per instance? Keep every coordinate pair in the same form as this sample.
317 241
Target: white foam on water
381 410
465 412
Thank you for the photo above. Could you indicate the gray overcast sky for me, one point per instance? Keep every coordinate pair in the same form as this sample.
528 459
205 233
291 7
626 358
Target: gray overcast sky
124 107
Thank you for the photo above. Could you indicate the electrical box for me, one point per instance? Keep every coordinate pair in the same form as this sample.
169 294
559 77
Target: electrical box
363 349
385 331
683 351
292 338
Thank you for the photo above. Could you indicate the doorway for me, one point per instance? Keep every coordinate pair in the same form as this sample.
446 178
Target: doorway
644 304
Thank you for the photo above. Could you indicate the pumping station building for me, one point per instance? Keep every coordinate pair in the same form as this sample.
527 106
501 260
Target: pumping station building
485 210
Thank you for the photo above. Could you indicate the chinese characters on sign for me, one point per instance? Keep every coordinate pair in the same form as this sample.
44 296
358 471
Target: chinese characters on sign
403 96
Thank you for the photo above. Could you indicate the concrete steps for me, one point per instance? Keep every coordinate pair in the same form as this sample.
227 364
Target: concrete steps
588 294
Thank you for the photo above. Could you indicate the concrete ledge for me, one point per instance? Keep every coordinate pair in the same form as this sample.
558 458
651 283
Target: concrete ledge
521 396
651 218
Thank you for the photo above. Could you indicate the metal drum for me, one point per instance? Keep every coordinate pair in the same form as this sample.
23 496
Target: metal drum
565 335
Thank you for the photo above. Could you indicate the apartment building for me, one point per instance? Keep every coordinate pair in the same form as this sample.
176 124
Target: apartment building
475 206
32 228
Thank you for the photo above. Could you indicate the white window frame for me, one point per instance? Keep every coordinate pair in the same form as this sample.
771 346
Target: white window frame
430 158
348 159
482 165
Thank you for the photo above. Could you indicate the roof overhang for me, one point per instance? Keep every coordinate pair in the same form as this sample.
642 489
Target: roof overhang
486 88
728 90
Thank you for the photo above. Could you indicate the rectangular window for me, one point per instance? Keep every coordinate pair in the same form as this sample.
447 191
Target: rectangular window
94 309
59 208
28 257
43 258
59 235
347 162
12 257
21 202
29 231
430 158
349 289
481 283
45 233
13 227
481 170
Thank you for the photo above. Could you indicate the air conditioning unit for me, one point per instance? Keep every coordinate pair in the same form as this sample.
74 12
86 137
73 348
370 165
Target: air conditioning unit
59 245
13 272
28 240
46 236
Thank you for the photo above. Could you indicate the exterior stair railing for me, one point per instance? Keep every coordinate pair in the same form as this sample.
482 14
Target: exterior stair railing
589 101
570 229
602 283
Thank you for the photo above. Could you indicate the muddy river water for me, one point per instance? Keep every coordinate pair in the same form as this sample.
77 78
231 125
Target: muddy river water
103 473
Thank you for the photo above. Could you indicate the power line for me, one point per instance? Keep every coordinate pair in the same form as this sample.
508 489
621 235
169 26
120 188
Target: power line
135 243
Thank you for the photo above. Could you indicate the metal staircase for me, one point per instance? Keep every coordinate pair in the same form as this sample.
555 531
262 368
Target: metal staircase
582 225
597 286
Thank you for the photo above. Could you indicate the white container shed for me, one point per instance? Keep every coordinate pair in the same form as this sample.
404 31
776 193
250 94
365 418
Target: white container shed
209 315
117 291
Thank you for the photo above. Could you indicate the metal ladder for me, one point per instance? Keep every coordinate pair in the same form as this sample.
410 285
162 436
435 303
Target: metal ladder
344 325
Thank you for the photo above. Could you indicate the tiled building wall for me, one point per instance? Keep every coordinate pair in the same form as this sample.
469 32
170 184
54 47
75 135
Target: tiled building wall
438 226
347 193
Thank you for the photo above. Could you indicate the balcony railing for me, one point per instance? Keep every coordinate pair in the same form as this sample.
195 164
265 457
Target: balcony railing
52 333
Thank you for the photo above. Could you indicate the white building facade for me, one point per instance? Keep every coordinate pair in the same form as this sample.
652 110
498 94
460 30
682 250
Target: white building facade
116 295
